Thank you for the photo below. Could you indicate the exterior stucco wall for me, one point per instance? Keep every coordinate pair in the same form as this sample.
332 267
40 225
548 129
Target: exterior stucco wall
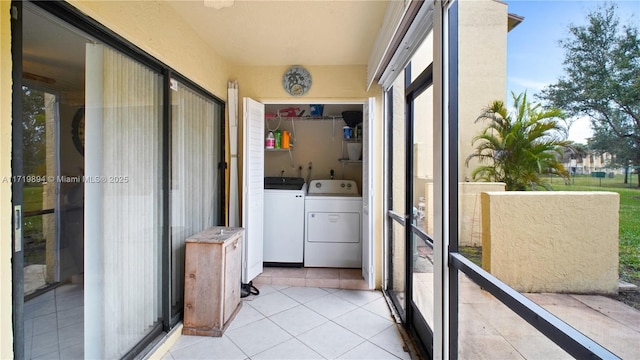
564 242
329 84
6 328
157 29
482 69
470 210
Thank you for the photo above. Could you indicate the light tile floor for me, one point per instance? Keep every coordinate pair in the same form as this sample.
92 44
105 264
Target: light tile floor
301 322
54 323
313 277
292 322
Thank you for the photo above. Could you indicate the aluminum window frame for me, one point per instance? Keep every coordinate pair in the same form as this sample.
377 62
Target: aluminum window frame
448 261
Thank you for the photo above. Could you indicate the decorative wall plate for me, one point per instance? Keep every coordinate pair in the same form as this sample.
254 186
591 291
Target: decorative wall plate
297 80
77 130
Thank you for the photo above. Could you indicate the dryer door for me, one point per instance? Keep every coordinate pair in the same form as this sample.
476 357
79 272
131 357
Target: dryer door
333 227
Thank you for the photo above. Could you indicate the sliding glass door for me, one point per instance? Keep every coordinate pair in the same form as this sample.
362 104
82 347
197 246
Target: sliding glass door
195 176
52 118
123 209
410 181
396 184
118 170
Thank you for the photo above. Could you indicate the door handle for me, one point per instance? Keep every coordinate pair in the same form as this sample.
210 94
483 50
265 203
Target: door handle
17 228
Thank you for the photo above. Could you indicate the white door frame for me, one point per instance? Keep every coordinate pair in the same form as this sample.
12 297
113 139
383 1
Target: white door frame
370 102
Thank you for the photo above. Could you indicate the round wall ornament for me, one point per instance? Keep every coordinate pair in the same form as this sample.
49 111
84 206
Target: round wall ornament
77 130
297 80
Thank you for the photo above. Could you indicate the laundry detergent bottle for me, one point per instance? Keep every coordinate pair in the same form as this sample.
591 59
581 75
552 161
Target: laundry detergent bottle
278 137
270 142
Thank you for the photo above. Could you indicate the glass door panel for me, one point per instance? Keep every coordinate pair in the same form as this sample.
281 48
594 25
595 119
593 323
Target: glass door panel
423 208
53 193
195 179
397 184
123 191
53 148
39 163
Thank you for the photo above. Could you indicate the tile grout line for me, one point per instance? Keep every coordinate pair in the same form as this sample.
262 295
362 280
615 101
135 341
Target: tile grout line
55 299
292 337
324 317
283 329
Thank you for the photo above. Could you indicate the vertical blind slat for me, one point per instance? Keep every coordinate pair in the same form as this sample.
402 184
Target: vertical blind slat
192 175
132 209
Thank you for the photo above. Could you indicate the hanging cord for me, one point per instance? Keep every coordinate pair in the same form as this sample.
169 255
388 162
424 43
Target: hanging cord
293 130
277 127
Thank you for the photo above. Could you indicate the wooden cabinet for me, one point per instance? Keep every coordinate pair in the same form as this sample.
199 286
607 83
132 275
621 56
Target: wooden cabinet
212 280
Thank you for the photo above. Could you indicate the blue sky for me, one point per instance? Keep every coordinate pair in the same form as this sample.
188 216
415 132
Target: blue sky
535 57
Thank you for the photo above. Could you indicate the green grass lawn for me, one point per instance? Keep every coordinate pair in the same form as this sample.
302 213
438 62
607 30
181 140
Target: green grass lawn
32 198
34 242
629 217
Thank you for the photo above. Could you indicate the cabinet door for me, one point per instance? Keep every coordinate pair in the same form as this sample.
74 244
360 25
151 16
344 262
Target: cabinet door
253 187
232 281
368 134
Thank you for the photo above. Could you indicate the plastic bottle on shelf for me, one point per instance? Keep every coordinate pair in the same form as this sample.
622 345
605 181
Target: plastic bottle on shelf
270 141
278 138
421 207
284 143
347 131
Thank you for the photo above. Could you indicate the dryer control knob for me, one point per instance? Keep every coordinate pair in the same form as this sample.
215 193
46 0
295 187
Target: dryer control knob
318 185
341 185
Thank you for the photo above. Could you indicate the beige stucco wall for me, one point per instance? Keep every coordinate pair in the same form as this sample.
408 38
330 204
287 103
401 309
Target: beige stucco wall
157 29
470 210
330 84
482 68
565 242
6 330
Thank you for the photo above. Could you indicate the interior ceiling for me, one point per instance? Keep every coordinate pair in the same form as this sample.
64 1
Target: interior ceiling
260 33
52 55
271 33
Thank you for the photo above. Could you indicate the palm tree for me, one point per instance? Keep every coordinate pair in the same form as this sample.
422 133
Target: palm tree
519 148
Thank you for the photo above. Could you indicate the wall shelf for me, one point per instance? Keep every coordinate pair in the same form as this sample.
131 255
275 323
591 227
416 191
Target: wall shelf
347 161
325 117
278 150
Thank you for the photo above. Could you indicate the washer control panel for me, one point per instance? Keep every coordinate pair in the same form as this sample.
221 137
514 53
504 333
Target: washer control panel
333 187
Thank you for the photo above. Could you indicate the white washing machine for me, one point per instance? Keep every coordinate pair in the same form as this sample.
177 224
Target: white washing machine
284 221
333 224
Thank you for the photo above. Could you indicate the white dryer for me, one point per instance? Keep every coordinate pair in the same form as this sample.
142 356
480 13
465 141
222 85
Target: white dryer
333 224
